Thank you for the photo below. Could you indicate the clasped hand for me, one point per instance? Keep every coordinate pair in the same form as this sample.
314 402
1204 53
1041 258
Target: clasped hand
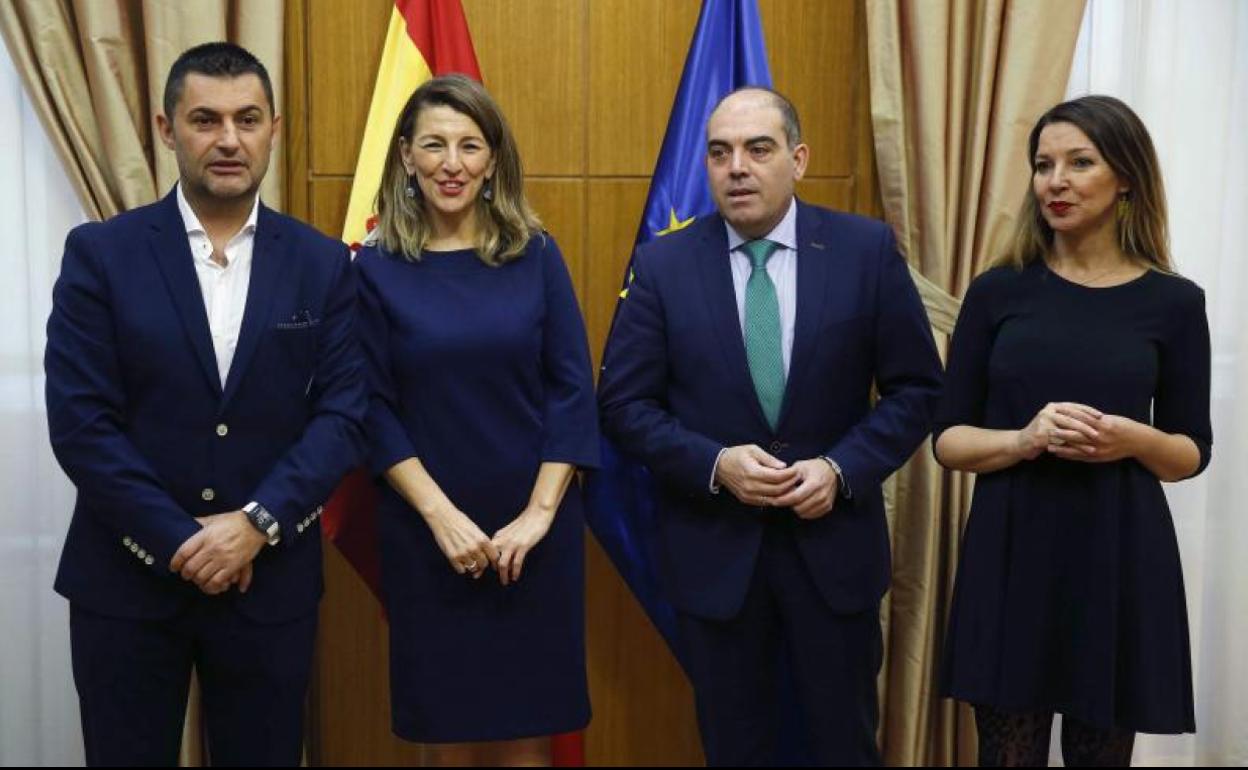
757 478
470 551
220 554
1078 432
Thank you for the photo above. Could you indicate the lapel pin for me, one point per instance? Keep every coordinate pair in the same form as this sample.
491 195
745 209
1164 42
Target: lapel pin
817 245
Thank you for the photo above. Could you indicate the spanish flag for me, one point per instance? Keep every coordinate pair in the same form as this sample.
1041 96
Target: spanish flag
425 38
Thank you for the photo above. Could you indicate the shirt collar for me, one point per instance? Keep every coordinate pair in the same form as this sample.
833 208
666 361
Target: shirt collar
784 233
193 225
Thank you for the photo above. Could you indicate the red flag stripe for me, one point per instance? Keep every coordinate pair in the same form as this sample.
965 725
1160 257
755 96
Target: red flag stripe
440 31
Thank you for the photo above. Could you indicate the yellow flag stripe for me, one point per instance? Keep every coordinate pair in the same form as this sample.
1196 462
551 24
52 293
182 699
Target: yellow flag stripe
402 69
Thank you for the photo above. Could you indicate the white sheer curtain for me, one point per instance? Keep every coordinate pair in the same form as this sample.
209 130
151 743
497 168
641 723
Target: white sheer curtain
38 707
1183 66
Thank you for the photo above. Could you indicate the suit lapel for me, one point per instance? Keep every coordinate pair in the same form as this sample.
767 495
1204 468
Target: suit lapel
813 273
268 262
721 299
172 252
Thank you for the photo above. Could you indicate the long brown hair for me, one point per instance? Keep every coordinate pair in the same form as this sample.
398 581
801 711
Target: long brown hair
505 224
1122 140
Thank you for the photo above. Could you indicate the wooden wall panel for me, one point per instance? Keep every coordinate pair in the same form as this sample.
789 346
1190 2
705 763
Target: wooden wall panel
615 207
328 198
345 39
295 125
811 46
587 86
637 53
561 205
836 193
643 705
532 57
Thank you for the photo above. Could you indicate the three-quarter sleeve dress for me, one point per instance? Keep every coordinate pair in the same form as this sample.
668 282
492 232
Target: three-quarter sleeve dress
483 373
1069 595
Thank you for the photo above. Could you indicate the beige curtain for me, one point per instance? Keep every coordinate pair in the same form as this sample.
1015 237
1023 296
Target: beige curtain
95 71
955 87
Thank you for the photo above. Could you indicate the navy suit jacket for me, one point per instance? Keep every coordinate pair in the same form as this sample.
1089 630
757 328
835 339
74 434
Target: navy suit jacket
675 388
142 426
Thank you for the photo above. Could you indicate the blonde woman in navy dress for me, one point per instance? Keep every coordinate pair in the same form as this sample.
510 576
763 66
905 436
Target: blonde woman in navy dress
482 409
1078 382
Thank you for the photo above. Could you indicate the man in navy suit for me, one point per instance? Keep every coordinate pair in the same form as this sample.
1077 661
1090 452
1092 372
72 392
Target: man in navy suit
740 370
205 394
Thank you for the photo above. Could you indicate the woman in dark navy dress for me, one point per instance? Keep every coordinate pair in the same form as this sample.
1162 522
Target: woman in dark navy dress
482 410
1078 382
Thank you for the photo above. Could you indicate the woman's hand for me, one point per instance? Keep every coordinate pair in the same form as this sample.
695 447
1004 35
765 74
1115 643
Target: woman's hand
1115 438
515 540
463 543
1063 425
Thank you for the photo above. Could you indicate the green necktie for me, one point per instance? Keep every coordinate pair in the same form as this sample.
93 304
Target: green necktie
763 348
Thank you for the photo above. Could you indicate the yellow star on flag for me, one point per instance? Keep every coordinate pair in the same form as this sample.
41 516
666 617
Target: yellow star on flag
624 294
675 224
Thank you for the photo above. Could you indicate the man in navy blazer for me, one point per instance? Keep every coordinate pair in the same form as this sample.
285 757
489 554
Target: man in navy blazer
205 394
740 369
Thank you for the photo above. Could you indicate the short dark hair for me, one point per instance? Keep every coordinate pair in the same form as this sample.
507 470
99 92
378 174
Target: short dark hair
216 60
788 113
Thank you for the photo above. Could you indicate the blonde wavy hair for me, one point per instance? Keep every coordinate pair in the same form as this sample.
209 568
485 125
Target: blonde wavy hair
1122 140
504 224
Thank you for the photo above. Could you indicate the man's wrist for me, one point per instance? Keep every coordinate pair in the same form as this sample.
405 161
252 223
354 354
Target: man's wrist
263 522
714 485
842 487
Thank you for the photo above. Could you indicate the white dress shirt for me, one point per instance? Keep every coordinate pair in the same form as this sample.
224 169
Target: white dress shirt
224 287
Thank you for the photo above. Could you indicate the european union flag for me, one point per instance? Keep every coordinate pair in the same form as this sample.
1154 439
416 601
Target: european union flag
727 53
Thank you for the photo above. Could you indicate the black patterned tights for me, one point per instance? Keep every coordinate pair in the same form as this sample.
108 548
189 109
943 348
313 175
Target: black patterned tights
1022 740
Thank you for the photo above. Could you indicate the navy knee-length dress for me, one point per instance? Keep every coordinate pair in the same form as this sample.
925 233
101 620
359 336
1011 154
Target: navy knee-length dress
483 373
1069 594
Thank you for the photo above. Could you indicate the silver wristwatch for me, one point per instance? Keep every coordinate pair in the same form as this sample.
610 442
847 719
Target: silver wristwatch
262 520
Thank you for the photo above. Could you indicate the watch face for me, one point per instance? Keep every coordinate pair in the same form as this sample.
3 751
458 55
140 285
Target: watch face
260 518
264 521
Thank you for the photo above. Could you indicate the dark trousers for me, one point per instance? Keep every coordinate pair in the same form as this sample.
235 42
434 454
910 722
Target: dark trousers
834 660
132 678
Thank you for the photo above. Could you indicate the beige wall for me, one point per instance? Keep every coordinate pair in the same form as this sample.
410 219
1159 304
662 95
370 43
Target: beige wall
587 86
